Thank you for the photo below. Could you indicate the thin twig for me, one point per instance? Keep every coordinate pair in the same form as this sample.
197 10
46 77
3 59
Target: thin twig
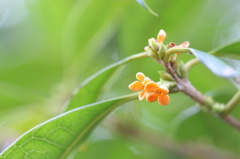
232 121
185 86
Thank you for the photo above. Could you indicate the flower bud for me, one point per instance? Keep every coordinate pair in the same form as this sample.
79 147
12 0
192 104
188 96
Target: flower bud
176 67
174 89
161 36
182 69
162 48
151 53
153 43
166 76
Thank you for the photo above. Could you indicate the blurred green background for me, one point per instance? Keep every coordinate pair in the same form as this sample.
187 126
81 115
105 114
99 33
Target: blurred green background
48 47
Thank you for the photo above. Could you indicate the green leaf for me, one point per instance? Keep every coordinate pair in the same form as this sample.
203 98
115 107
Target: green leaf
56 138
216 65
232 62
144 5
236 65
88 91
232 47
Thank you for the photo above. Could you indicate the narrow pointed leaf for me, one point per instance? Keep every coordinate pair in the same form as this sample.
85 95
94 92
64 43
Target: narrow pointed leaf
236 65
88 91
144 5
232 62
232 47
216 65
56 138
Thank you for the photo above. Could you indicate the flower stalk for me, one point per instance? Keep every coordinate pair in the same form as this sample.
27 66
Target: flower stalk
171 51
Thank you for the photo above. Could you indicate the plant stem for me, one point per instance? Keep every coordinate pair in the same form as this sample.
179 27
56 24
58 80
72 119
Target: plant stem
232 103
171 51
231 121
185 86
135 56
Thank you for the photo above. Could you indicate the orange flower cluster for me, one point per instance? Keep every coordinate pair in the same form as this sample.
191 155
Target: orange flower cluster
150 90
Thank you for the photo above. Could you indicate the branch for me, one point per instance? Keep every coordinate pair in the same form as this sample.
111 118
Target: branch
185 86
162 142
231 121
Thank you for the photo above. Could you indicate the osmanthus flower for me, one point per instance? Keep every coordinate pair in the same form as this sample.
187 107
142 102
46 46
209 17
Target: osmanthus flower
161 36
139 85
155 92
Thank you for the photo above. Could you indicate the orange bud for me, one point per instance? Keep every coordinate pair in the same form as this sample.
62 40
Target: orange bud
140 76
161 36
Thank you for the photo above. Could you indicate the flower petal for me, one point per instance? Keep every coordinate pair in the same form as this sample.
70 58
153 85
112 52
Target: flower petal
161 36
146 80
140 76
151 87
141 95
163 99
163 89
185 44
136 86
151 97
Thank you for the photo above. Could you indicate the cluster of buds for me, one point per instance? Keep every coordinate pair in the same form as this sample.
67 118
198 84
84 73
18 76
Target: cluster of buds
157 49
178 66
150 90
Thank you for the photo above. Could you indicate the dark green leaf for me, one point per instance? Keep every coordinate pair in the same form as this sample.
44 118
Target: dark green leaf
216 65
144 5
232 47
88 91
56 138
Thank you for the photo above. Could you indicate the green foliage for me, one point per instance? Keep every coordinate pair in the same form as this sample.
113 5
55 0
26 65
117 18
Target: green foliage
216 65
56 45
90 89
232 47
57 137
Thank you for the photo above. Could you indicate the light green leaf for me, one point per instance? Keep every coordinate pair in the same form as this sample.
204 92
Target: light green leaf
56 138
216 65
232 62
236 65
232 47
88 91
144 5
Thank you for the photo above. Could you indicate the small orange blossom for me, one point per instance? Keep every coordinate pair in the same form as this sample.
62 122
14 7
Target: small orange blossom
155 92
161 36
139 85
